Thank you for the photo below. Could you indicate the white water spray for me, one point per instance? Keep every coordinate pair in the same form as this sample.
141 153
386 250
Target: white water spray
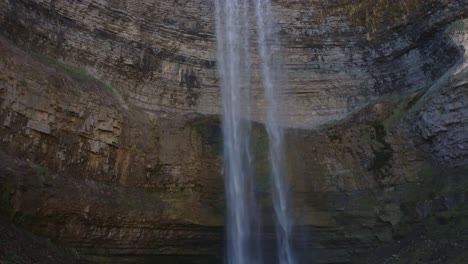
270 55
232 31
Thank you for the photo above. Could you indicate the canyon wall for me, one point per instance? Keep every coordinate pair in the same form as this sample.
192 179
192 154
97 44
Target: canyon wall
110 130
160 56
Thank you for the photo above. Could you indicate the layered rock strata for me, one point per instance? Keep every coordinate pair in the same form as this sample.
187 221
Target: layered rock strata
160 55
20 247
119 171
130 163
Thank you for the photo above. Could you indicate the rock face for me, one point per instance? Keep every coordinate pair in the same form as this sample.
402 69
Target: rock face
21 247
160 55
68 123
120 153
76 125
443 121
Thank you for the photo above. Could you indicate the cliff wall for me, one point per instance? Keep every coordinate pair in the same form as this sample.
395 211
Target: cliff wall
160 56
110 130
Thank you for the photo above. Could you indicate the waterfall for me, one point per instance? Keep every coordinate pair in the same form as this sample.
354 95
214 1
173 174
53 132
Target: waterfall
233 57
270 55
232 33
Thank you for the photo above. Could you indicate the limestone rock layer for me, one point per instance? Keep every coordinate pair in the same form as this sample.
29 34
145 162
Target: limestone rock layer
160 55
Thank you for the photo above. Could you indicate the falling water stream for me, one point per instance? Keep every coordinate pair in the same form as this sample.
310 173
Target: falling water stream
233 56
232 32
270 55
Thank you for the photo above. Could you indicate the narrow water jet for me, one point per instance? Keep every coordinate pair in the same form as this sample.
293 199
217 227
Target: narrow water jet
269 49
